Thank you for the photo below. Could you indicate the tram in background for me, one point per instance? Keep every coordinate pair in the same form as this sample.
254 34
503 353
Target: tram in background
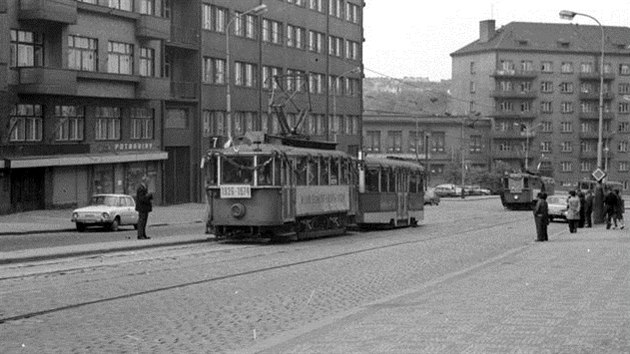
289 189
519 190
586 185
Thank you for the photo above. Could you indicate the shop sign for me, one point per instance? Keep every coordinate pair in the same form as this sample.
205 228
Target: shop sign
133 146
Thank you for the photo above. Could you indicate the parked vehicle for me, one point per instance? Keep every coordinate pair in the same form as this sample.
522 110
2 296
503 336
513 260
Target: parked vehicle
431 197
107 210
448 190
557 207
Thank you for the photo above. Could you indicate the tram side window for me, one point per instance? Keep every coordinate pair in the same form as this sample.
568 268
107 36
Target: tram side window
334 172
237 170
301 165
265 171
413 183
525 182
384 179
312 172
371 180
211 171
323 171
277 168
392 180
345 171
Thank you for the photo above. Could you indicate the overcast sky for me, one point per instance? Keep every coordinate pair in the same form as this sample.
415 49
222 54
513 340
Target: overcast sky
415 38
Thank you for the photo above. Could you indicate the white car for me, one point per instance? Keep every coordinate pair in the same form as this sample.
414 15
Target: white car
107 210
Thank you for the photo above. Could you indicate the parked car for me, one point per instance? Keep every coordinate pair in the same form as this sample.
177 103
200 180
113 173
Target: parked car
430 197
448 190
557 207
107 210
476 190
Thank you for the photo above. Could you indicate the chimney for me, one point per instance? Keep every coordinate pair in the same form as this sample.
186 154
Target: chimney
486 30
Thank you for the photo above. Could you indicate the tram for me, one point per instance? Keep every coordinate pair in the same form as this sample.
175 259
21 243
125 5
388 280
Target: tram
587 184
520 189
283 189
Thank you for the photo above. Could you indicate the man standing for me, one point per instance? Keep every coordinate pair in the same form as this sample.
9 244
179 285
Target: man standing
143 206
588 209
541 217
611 204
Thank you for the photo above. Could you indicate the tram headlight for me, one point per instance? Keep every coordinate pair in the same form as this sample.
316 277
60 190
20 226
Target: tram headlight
237 210
516 197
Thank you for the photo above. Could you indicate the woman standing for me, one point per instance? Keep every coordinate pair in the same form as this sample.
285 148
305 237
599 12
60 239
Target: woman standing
541 217
573 214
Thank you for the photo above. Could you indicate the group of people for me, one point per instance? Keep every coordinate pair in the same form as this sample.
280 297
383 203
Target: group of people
579 211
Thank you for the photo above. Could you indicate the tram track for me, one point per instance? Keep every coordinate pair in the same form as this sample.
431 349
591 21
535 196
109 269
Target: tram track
58 309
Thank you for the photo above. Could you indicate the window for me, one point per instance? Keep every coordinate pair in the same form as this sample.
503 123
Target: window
214 18
566 127
353 12
416 141
527 65
566 146
507 65
588 107
119 58
566 166
504 146
351 87
315 41
566 67
147 7
213 123
566 87
245 25
244 122
546 107
624 107
587 146
506 106
623 146
545 146
608 68
624 88
566 107
506 86
335 8
475 144
69 123
82 53
547 127
244 74
268 76
586 166
624 69
141 123
352 50
316 5
316 83
546 86
295 36
26 123
373 141
546 66
272 31
335 46
624 166
587 67
624 127
295 80
588 127
394 141
473 88
26 49
438 142
147 61
525 86
213 71
125 5
472 68
526 107
107 123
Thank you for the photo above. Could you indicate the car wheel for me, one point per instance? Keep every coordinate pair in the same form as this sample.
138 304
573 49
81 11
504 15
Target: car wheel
114 225
80 227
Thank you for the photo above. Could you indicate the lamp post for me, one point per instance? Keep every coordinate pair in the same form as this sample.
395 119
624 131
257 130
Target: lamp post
228 87
335 92
528 132
598 207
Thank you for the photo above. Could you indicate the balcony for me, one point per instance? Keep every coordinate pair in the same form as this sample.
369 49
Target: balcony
184 37
508 155
511 134
58 11
595 96
153 27
153 88
514 114
515 74
595 76
594 135
184 90
514 94
595 115
45 81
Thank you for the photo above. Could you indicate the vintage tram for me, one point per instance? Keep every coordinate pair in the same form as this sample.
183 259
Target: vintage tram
286 189
519 190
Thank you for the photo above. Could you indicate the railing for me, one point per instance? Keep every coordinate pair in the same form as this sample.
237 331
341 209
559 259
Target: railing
595 76
513 94
64 11
184 35
595 115
507 73
184 90
43 80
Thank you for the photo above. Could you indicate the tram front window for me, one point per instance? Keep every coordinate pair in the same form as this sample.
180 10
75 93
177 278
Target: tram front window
371 180
265 170
237 170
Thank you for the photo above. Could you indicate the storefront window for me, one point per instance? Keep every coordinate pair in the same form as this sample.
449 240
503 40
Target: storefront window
103 179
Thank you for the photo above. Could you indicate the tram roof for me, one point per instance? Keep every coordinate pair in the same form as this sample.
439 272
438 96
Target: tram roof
267 149
390 162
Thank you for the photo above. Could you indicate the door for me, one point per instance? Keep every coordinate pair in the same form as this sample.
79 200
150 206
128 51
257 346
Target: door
177 175
27 189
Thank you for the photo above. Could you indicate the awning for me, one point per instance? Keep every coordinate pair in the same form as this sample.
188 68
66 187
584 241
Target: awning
83 159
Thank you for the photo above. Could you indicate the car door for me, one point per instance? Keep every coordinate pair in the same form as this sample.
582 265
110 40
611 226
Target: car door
131 207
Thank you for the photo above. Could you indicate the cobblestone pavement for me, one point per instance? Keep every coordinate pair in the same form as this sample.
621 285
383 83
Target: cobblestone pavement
429 289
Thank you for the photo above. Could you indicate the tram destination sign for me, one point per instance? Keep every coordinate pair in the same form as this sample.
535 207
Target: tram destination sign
236 191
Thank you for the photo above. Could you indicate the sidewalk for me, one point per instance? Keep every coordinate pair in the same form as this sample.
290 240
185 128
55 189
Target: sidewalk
568 295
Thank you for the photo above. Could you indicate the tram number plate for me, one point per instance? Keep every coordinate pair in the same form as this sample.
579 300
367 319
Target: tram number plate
236 191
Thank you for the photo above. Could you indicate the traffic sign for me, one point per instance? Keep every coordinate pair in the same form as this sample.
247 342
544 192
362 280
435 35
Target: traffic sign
598 174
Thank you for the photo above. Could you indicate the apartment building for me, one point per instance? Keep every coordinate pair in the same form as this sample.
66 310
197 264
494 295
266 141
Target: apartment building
96 93
540 83
434 141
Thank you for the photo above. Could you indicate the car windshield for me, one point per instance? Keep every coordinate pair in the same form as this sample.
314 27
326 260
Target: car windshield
556 200
104 200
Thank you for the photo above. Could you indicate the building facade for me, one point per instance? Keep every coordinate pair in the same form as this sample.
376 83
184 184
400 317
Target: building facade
96 93
434 141
540 83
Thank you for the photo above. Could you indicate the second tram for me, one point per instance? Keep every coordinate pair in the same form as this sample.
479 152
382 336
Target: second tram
519 190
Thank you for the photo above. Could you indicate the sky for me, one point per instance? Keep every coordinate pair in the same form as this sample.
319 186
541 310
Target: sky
414 38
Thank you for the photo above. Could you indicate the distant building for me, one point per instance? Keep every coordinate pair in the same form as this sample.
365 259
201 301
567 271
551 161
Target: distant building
540 84
407 136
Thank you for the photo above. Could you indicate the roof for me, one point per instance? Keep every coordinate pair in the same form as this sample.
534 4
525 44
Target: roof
531 36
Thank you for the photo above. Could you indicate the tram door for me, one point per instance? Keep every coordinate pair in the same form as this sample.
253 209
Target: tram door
402 183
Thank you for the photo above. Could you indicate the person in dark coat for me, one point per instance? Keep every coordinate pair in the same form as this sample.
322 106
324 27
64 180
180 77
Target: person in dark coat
611 204
582 199
621 208
144 207
588 209
541 217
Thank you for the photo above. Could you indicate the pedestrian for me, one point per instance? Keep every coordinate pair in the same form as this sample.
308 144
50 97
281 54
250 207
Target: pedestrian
582 199
144 207
621 208
588 209
541 217
573 212
610 205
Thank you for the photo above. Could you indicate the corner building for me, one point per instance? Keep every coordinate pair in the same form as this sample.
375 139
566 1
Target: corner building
96 93
540 83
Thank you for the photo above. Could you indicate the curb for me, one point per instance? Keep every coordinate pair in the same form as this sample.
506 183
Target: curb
54 231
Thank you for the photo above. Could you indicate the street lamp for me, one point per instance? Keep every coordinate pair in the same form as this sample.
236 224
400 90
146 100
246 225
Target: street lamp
228 87
598 207
528 132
